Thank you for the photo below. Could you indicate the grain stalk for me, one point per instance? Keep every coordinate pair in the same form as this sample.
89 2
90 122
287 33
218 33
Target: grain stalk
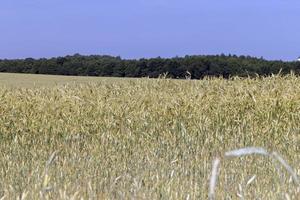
244 152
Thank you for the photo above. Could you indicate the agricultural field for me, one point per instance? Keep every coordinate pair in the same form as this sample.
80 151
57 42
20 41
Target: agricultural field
33 80
101 138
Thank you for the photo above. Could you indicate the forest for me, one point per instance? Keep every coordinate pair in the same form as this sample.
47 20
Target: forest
194 67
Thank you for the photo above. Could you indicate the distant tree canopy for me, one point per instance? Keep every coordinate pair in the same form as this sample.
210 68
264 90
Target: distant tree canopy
196 67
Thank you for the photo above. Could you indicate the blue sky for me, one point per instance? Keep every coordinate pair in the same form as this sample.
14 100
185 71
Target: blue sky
150 28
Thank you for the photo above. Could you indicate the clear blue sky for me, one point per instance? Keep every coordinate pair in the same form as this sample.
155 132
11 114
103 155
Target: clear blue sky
150 28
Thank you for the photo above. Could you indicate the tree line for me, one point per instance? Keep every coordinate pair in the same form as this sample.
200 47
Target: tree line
196 67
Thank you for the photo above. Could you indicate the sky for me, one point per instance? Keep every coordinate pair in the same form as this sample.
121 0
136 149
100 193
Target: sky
150 28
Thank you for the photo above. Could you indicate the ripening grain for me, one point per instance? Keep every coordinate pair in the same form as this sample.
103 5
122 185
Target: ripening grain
149 139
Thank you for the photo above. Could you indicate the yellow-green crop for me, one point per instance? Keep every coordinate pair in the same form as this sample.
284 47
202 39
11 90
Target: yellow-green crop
149 139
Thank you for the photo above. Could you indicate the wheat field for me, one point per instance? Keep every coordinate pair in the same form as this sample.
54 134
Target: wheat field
17 80
148 138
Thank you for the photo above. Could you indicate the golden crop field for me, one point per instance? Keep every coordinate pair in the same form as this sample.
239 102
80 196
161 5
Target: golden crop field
34 80
148 139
